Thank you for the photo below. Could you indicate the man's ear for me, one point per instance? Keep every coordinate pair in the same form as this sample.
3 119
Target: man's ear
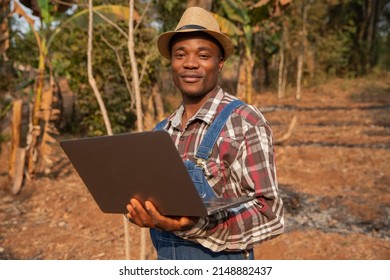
220 65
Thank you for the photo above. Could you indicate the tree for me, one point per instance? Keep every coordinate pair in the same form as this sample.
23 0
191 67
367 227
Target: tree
367 33
303 48
242 21
40 128
238 25
91 79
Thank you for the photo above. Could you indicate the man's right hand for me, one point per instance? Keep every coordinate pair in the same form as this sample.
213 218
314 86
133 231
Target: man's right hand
148 216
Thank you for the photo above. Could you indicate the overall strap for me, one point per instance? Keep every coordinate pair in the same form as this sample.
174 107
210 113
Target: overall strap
206 146
161 125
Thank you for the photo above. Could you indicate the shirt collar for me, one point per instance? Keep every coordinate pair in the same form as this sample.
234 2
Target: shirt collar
206 113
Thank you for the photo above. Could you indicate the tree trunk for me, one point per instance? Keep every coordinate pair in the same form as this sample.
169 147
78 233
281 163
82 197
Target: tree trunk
4 28
284 81
281 71
302 51
99 98
48 115
261 70
282 75
265 82
245 69
17 154
34 132
34 128
299 75
308 55
138 102
242 76
245 77
371 33
158 102
310 62
134 70
367 33
91 79
249 70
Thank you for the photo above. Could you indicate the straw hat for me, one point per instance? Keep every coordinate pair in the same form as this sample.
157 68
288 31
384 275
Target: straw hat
196 19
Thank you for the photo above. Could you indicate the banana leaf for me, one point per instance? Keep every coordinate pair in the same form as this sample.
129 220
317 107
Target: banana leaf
114 13
227 26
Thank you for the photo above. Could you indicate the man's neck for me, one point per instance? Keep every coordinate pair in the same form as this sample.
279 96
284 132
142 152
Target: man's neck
192 105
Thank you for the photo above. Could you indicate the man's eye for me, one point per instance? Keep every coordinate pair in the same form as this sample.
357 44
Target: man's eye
179 55
204 56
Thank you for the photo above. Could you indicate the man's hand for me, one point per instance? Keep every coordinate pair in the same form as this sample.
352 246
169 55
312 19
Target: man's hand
150 217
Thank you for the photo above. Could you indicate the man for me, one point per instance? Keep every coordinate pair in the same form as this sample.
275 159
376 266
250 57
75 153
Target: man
239 161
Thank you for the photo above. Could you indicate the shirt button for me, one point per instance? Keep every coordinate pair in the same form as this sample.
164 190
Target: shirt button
181 138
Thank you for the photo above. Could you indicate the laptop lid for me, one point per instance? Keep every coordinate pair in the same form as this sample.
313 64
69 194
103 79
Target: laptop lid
144 165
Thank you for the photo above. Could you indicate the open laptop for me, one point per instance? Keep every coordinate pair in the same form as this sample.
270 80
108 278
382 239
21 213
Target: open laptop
145 165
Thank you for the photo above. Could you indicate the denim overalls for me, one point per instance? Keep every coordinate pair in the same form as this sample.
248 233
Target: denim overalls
168 245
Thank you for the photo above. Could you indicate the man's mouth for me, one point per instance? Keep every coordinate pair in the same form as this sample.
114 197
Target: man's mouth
190 78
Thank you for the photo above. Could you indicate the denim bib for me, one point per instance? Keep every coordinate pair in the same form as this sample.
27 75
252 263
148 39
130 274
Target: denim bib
167 244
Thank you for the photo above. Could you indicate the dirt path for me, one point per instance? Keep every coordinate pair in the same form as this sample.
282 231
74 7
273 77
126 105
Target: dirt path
334 172
334 175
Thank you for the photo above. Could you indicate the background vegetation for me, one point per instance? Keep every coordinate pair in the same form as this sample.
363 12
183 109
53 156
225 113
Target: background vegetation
280 46
310 63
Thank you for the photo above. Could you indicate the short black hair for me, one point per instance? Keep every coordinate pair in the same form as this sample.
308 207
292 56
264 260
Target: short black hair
211 38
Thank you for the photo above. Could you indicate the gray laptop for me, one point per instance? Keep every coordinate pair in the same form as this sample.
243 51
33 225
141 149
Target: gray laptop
144 165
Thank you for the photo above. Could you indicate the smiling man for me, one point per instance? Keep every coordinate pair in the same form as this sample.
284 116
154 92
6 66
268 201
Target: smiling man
226 146
196 60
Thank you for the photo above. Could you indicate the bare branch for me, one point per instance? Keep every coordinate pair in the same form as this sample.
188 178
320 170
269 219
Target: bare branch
135 76
144 67
123 72
289 132
142 16
116 26
91 79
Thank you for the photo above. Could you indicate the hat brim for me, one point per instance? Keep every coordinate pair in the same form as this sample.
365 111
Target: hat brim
165 38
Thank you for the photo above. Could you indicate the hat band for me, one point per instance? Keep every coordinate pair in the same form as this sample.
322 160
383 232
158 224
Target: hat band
191 26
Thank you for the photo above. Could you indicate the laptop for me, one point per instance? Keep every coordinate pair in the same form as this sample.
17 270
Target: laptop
144 165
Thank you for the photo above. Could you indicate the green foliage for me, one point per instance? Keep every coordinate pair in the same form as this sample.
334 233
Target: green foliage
257 15
45 9
70 61
335 38
236 11
167 13
333 28
23 55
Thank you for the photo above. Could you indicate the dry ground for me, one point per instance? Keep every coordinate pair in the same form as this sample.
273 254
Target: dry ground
334 175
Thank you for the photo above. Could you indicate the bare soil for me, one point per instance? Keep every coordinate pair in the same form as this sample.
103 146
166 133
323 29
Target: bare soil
334 176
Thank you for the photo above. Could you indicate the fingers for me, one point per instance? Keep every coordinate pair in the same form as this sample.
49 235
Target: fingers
168 223
137 214
149 216
187 223
154 215
160 221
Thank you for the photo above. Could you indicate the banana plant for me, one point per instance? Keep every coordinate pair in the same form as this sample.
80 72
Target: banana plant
241 23
34 132
40 127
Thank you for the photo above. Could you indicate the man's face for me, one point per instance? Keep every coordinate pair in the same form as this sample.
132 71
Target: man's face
196 63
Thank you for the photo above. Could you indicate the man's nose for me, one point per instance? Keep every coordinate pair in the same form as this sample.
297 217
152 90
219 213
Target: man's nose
191 62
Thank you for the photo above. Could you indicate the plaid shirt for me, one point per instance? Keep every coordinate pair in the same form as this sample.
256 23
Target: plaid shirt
242 163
